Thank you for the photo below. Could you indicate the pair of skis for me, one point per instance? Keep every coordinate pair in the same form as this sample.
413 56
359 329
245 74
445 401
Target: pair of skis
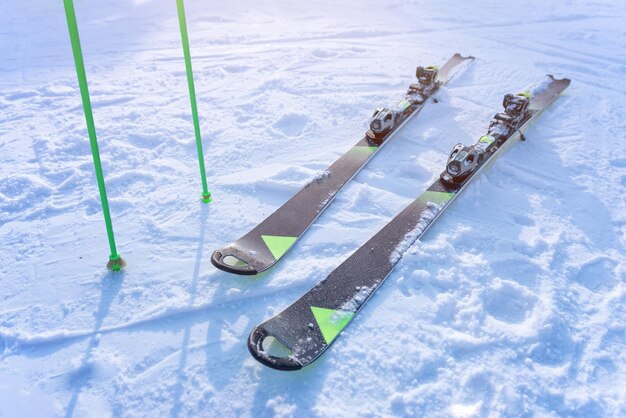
310 325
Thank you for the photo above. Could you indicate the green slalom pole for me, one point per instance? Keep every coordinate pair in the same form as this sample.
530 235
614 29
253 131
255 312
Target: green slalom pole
206 195
115 261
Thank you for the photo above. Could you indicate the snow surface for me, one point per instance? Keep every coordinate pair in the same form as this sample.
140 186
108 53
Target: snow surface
514 304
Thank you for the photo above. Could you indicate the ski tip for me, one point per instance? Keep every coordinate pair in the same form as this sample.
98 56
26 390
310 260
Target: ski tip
256 348
446 73
463 57
220 259
565 81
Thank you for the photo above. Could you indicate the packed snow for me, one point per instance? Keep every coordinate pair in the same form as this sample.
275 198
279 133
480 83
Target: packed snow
425 220
512 304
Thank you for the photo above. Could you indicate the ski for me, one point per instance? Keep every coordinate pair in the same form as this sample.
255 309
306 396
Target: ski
268 242
310 325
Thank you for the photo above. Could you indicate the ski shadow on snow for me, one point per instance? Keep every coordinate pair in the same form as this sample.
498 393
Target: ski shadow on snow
561 194
526 191
228 362
222 319
111 283
286 388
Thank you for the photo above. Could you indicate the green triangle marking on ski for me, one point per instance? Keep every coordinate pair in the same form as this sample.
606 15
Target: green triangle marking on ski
278 245
438 198
364 149
330 321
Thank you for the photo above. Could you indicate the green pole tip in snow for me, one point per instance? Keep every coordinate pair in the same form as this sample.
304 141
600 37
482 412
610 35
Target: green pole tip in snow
115 260
206 196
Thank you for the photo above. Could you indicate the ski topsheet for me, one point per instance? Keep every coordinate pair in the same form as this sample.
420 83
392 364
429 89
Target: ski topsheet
263 246
310 325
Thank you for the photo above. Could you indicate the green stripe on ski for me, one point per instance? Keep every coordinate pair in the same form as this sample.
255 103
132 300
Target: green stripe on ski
278 245
486 139
331 322
438 198
362 149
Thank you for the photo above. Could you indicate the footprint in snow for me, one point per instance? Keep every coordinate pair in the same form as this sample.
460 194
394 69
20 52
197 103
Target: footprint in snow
554 345
20 194
292 124
324 53
509 302
20 95
56 90
235 69
618 162
597 274
523 220
603 368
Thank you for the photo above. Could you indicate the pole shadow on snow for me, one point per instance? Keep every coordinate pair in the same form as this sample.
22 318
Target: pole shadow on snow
218 358
111 283
178 388
563 197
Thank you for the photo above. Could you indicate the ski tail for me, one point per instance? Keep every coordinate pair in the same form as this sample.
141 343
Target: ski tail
256 347
449 68
233 260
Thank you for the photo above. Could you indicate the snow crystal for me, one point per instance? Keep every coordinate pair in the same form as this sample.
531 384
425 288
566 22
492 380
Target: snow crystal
321 176
357 300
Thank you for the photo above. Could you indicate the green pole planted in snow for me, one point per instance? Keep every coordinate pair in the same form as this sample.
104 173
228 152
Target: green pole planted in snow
206 195
115 261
